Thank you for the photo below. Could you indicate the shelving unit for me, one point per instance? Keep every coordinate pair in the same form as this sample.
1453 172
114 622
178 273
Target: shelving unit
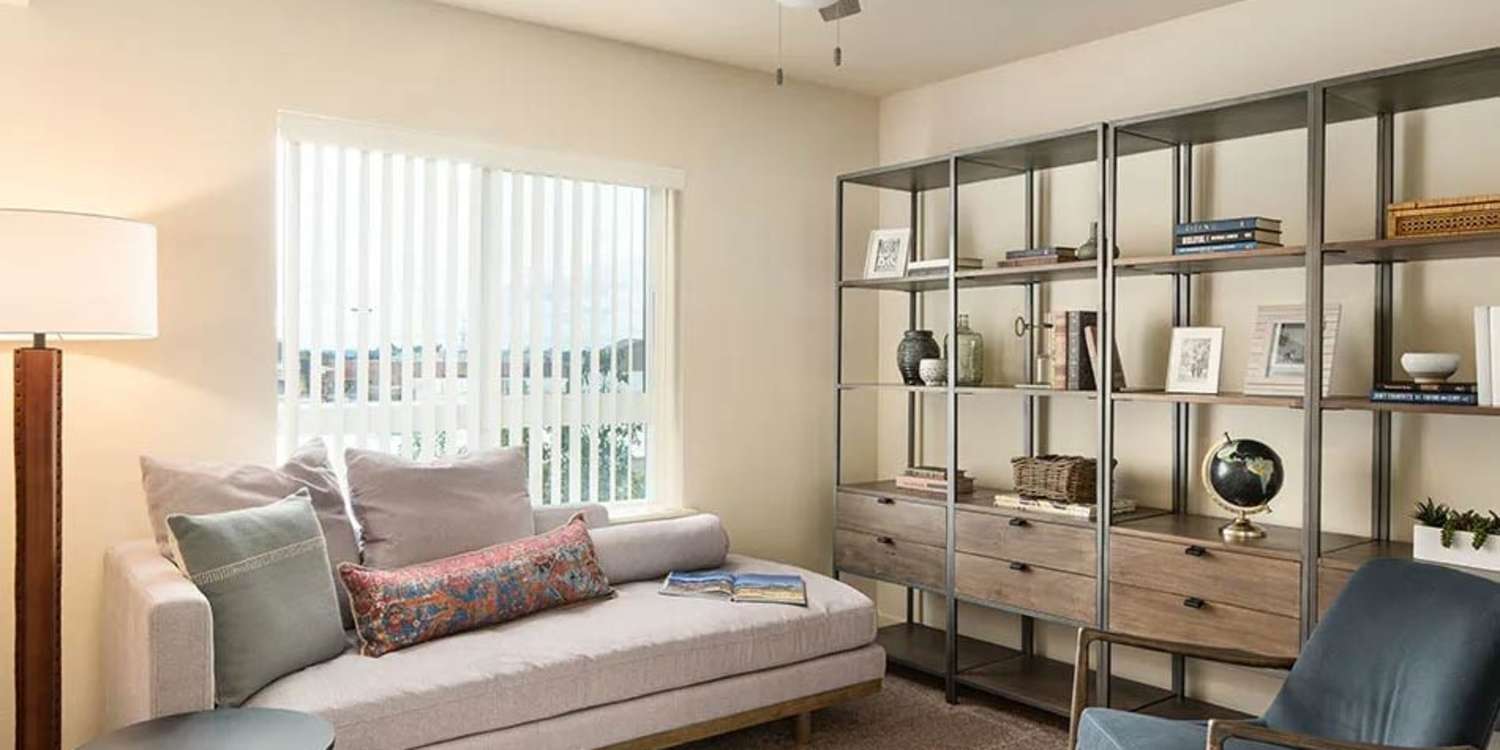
1012 561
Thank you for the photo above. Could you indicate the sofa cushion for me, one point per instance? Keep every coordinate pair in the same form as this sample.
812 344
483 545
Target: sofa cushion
637 643
396 609
412 512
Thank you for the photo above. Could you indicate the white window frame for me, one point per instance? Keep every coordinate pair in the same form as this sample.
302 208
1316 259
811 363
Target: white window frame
658 407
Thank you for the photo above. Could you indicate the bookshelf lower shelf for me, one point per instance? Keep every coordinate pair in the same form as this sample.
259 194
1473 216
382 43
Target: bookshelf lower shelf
920 647
1047 685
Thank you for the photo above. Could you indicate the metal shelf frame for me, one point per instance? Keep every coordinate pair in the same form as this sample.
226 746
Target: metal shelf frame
1376 95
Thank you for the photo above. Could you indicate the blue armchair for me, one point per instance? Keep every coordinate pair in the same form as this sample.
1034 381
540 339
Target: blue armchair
1408 656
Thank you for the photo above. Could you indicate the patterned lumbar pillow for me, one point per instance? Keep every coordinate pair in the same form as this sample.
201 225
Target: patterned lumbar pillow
265 573
394 609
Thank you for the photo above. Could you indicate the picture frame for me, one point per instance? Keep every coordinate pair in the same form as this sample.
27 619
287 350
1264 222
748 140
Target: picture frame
1278 344
887 254
1194 360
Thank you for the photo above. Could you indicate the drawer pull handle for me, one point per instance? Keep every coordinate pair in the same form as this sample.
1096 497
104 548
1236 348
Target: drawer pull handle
1019 566
885 501
1018 522
885 540
1195 551
1194 602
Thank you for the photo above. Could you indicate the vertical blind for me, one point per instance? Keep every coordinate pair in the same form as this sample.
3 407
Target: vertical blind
431 304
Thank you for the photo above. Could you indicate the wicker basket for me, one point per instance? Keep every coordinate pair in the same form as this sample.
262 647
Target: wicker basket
1443 217
1067 479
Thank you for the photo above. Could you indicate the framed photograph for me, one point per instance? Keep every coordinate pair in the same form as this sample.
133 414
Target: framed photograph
1278 350
887 254
1194 359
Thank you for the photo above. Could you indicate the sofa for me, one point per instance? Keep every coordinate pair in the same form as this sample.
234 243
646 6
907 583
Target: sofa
637 670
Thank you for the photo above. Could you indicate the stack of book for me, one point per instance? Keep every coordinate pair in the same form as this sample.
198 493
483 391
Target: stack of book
1012 501
933 479
1075 352
1226 235
1487 354
1038 256
1452 394
939 266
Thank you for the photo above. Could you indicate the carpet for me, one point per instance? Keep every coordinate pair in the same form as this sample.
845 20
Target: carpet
910 713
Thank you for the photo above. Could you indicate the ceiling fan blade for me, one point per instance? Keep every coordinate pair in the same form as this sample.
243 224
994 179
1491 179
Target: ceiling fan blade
839 9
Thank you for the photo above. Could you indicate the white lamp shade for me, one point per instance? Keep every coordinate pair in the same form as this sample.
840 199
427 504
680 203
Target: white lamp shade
78 275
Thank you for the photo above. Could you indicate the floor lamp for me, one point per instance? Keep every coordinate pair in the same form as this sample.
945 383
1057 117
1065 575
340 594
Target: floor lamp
80 277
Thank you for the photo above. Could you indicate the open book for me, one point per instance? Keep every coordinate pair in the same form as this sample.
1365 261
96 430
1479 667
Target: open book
737 587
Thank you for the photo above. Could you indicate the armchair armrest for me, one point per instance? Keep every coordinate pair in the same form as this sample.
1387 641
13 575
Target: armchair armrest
1219 731
1087 636
158 638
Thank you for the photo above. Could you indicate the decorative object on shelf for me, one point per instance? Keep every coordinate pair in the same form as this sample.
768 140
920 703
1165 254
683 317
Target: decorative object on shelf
1088 510
1041 373
1069 479
1429 367
1242 476
934 479
1452 394
1445 535
968 347
1194 359
888 253
1038 256
1486 346
933 371
1443 217
939 266
1226 235
1091 342
1089 250
916 345
1278 350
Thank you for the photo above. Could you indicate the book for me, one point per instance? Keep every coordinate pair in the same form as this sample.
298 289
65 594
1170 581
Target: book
1228 225
1035 252
931 472
1493 361
940 265
1080 368
760 588
1216 238
1091 340
1089 511
962 485
1408 386
1059 323
1226 247
1425 397
1036 260
1483 356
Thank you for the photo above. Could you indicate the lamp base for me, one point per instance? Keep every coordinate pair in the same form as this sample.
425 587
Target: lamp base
38 436
1241 530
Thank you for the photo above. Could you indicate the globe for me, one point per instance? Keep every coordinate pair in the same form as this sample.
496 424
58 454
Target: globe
1243 476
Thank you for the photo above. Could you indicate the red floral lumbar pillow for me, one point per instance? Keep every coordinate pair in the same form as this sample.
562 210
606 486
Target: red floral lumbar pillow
394 609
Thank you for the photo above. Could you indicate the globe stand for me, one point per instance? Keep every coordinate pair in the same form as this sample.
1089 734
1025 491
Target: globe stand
1241 530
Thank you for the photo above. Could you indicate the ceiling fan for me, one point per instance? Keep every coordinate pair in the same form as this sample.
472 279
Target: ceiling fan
834 12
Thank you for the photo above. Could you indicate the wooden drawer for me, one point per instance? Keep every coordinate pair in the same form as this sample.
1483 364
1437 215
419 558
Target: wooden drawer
1050 545
899 519
1028 587
889 559
1331 581
1252 581
1214 623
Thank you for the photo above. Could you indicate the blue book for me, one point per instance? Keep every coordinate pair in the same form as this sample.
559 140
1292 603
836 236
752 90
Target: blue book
1229 225
737 587
1243 235
1222 247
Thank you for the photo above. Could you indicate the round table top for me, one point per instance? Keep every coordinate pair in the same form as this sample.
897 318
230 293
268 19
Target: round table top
223 729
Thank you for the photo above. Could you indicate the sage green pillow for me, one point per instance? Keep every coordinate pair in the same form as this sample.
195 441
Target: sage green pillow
265 573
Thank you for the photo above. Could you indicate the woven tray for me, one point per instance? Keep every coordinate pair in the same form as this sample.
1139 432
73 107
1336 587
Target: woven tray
1443 217
1069 479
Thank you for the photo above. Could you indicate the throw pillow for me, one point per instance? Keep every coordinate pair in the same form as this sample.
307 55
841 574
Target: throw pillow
197 488
265 574
415 512
651 549
394 609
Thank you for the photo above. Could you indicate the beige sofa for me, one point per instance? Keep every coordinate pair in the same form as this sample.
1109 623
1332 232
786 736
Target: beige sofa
637 670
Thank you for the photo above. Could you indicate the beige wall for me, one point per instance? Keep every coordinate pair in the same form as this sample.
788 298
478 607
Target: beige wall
1238 49
165 110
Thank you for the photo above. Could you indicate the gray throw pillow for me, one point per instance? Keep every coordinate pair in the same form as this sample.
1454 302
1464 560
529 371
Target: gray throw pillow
265 573
196 488
413 512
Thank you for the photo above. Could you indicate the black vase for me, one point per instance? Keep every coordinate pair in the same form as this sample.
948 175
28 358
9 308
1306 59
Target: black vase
915 347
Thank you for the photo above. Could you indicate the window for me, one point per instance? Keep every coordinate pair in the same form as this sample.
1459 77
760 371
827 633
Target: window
437 297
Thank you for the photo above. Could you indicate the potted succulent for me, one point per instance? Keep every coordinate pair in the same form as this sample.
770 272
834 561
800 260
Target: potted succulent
1467 538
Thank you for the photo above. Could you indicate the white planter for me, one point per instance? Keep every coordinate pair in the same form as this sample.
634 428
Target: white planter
1427 544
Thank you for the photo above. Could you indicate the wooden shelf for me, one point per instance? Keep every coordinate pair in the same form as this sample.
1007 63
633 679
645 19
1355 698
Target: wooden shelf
1355 403
1243 260
920 647
1187 709
888 488
1415 249
1045 684
997 389
1280 541
1349 559
1220 399
985 503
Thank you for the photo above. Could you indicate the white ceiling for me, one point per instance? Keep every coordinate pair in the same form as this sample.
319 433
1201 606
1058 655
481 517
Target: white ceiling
892 45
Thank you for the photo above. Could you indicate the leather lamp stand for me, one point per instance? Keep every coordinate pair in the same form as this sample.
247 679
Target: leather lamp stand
38 434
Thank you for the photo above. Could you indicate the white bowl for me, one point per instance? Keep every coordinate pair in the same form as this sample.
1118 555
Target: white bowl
1429 367
934 372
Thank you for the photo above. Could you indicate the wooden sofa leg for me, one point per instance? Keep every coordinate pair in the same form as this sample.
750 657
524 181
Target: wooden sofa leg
802 728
